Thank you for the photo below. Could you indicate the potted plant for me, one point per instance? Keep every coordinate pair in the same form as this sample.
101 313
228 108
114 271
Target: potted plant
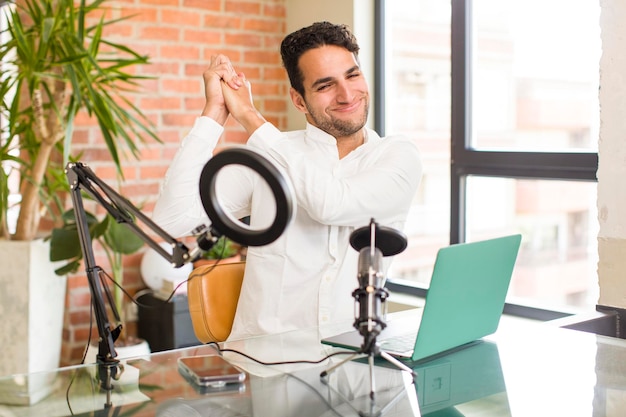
224 250
56 63
54 66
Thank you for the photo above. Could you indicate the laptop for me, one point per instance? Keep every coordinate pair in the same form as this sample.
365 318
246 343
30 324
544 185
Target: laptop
464 302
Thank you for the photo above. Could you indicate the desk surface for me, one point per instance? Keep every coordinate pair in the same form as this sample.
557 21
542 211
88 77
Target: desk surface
522 370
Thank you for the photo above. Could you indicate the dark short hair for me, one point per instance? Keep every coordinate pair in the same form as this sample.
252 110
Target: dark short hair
311 37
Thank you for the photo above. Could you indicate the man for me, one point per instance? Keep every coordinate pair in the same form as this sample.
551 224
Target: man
343 174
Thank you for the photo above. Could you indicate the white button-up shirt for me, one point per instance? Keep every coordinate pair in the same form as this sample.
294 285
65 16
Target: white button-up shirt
306 277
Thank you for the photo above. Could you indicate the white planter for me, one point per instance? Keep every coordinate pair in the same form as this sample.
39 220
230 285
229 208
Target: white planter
32 302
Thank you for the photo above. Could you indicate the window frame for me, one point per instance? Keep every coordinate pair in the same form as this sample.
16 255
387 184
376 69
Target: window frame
467 161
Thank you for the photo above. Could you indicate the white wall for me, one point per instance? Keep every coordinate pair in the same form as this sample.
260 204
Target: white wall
612 156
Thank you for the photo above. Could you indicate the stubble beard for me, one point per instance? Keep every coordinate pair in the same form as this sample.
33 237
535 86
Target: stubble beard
337 127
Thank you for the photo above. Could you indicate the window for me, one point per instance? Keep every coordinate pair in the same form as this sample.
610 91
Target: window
501 96
9 174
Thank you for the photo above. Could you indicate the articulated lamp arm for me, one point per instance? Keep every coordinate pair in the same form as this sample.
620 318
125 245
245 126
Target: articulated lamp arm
81 177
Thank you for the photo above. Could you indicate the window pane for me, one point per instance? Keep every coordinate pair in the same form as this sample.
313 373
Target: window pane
557 263
536 74
417 91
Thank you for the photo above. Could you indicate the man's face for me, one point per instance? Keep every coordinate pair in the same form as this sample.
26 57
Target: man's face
336 95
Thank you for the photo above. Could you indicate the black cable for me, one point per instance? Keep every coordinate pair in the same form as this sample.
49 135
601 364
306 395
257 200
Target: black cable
221 350
288 374
82 361
162 302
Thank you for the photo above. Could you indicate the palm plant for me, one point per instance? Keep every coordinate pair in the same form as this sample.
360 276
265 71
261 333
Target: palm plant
55 65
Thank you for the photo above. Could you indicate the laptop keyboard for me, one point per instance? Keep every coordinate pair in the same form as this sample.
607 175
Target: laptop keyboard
401 343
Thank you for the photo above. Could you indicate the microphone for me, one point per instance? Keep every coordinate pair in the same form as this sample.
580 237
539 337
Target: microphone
370 295
373 243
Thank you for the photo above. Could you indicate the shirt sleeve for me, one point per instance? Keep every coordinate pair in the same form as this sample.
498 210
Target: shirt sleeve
383 189
178 209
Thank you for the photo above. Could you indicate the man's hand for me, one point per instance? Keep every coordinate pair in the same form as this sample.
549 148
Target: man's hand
220 71
240 104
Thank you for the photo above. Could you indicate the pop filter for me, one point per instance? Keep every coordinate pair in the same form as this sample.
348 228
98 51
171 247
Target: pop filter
389 241
222 221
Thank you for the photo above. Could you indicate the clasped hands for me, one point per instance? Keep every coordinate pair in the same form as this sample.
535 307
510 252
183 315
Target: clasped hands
229 93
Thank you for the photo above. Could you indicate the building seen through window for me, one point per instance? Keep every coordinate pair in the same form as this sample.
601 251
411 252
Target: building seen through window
534 88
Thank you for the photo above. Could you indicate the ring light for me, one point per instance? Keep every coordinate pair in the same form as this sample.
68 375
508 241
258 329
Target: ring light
221 221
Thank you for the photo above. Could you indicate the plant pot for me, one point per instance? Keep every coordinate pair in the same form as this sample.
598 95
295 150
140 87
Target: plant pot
203 262
32 303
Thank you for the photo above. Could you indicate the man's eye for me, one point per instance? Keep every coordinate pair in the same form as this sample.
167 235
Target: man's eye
323 87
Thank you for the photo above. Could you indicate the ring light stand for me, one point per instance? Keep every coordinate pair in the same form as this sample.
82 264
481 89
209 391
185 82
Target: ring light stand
82 178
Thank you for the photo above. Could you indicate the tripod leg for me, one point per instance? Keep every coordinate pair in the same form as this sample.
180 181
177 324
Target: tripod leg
332 368
397 363
372 383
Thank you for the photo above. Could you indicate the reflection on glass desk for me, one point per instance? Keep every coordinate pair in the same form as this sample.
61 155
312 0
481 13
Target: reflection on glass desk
522 370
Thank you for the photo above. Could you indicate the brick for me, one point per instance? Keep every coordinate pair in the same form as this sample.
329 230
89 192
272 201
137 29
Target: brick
178 119
182 85
262 57
274 10
213 5
163 103
203 36
243 7
263 25
161 68
222 21
278 106
139 14
249 40
160 32
180 52
161 2
181 17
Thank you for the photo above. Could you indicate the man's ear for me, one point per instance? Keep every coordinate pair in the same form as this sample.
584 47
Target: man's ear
297 100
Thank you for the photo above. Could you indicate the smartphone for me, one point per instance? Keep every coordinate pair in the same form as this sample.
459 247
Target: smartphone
210 371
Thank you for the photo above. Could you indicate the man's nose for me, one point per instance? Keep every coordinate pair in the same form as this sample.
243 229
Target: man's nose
344 93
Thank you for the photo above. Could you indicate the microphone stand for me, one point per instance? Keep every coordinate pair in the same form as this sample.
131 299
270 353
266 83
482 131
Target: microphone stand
369 295
81 177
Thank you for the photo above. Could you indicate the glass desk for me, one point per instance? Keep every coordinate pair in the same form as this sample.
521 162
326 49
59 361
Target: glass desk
521 370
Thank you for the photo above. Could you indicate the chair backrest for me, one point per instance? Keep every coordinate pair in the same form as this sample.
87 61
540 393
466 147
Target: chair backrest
213 294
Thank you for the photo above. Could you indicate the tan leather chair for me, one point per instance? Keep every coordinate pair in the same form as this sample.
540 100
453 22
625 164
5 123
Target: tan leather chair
213 293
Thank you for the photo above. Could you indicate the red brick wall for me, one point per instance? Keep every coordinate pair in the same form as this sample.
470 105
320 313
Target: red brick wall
179 36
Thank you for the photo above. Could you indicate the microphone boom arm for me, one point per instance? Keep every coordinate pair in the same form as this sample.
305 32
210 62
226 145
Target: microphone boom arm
81 177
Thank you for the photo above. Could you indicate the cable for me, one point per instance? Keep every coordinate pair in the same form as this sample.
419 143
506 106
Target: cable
289 374
161 302
82 362
221 350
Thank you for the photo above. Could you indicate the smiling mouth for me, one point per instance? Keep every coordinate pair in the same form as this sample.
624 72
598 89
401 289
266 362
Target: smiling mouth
350 108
